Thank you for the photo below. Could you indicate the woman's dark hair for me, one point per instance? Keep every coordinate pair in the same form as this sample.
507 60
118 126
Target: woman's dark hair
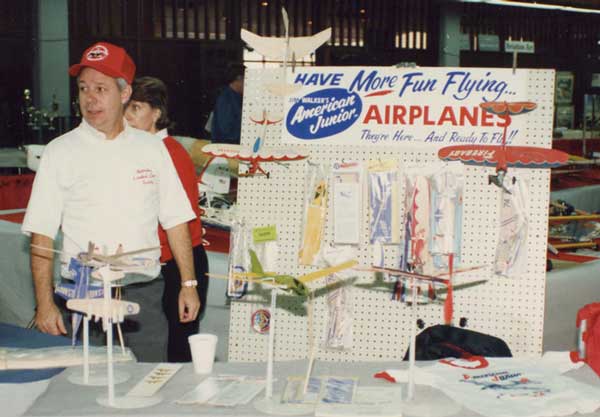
154 92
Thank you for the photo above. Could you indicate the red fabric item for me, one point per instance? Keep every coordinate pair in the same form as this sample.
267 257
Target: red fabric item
384 375
187 174
15 191
13 217
590 337
575 178
218 240
575 146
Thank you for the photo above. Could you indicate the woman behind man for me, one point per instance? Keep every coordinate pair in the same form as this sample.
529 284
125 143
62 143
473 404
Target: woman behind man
147 110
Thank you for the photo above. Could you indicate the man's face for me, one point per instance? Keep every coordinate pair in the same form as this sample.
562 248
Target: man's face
140 115
101 101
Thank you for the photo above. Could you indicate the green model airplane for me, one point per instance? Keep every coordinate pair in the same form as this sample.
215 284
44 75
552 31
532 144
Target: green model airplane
287 282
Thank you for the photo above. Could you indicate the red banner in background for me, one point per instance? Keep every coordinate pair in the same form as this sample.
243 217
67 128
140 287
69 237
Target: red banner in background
15 191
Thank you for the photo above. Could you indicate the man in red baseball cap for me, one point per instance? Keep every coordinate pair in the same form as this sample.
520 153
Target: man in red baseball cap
107 58
107 183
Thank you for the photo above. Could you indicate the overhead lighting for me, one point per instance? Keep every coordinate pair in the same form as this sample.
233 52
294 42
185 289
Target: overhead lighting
543 6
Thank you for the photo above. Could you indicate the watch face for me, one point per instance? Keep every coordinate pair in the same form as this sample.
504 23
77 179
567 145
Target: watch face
260 321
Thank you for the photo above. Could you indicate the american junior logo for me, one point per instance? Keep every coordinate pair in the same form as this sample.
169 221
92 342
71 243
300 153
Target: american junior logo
323 113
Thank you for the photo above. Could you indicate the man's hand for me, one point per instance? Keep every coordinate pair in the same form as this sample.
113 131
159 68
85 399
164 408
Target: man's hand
189 304
49 320
47 316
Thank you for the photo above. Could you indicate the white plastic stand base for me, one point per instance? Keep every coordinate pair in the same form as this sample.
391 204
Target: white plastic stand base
424 405
274 406
129 402
97 376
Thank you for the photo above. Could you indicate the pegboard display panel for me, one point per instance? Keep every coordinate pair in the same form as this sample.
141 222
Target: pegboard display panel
509 308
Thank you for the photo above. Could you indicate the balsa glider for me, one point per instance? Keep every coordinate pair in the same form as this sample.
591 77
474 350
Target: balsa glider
504 156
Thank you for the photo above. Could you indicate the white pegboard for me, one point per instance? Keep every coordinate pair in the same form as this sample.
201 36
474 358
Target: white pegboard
509 308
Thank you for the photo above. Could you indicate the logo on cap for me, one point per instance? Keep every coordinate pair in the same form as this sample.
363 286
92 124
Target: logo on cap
97 53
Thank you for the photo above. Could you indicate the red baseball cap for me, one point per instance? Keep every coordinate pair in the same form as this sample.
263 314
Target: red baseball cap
107 58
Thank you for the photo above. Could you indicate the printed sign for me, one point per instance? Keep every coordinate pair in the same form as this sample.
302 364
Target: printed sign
523 47
412 107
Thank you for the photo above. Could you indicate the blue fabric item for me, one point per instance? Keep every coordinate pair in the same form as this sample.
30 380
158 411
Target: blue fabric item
227 117
19 337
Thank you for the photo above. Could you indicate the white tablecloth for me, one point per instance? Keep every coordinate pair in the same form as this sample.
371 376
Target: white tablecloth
65 399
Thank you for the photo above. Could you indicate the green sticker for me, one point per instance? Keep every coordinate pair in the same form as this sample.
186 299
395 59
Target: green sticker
264 234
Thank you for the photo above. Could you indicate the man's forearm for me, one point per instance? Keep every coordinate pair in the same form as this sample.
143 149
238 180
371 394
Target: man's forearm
42 268
181 247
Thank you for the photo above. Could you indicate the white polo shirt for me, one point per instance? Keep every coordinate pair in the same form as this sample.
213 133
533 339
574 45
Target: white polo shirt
109 192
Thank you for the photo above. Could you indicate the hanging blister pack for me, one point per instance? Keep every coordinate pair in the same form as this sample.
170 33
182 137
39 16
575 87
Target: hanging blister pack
338 331
239 259
347 202
315 209
418 222
384 207
264 244
447 186
416 256
511 252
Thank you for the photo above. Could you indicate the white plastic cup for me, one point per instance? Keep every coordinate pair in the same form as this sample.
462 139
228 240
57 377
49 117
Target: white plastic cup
203 347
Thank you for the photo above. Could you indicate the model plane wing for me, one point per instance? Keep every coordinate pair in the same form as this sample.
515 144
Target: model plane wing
514 156
117 309
406 274
275 48
511 108
304 45
245 153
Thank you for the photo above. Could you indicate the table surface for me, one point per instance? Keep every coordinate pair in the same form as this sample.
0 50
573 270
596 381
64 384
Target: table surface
18 337
51 403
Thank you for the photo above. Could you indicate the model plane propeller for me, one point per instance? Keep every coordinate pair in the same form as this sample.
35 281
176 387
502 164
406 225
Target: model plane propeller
504 156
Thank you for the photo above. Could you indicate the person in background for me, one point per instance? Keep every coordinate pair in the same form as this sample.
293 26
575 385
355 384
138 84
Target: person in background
227 114
148 110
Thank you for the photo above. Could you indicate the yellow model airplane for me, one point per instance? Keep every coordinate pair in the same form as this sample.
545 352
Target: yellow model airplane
285 282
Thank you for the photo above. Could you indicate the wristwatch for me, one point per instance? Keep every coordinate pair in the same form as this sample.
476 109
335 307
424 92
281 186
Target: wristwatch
190 283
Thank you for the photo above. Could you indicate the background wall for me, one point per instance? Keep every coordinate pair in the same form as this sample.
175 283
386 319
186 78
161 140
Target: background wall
190 44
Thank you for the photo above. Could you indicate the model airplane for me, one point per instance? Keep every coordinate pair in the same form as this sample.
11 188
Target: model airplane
253 156
112 312
81 288
412 278
284 282
504 156
285 49
95 260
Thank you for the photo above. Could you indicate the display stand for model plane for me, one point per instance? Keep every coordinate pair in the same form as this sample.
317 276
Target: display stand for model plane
78 299
270 404
111 311
414 406
94 376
